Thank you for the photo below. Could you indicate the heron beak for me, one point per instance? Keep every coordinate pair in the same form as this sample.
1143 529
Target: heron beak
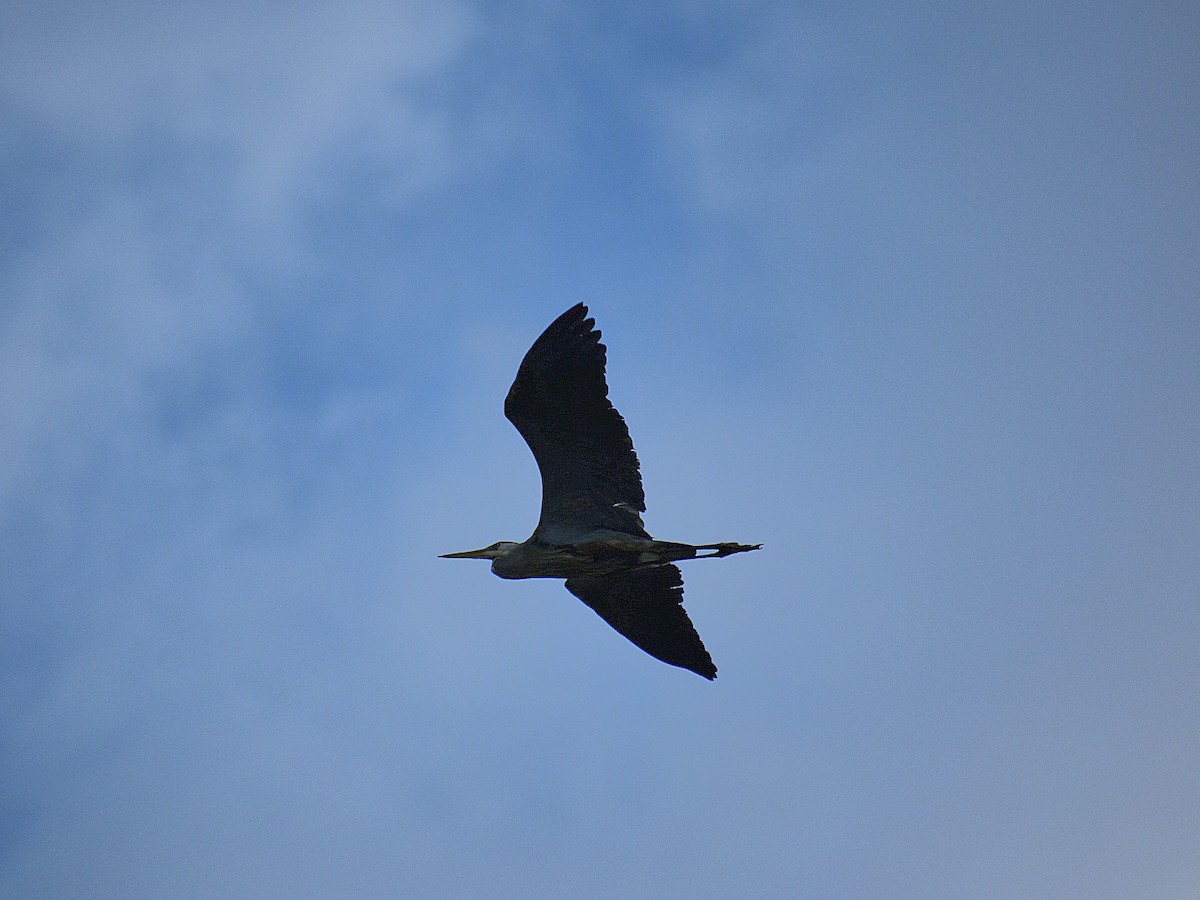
485 553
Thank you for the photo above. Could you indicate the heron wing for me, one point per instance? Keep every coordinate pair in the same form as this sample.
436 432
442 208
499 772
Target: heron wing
559 402
646 606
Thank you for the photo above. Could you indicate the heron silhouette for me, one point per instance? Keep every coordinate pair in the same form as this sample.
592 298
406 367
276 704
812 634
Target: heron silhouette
590 531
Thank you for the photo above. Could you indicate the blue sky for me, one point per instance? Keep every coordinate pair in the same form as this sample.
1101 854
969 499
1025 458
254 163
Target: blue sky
909 293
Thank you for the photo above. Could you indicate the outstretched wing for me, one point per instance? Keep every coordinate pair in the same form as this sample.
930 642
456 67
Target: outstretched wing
646 605
559 403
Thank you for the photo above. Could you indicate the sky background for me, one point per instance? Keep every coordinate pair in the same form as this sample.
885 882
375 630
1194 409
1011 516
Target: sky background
910 293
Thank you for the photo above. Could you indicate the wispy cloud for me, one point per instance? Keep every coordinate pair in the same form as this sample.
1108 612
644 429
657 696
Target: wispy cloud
182 152
271 96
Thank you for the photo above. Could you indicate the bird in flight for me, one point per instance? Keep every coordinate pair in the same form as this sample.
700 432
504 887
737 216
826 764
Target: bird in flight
590 531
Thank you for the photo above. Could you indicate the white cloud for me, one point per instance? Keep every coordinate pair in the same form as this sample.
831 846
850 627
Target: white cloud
279 97
91 315
184 148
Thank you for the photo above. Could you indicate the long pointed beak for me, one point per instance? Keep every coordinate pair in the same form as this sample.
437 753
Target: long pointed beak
468 554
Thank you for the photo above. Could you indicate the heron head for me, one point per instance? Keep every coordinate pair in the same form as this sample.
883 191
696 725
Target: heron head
494 551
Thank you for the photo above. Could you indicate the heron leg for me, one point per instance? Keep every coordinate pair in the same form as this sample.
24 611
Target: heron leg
650 552
724 549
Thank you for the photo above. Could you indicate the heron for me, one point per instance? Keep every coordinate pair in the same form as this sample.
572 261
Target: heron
590 531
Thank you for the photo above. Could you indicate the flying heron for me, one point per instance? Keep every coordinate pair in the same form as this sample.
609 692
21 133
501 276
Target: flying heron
590 531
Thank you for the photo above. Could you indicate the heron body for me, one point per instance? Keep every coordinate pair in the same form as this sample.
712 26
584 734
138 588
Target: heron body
590 531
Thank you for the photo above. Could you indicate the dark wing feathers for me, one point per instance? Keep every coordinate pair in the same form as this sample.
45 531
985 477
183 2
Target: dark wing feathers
590 480
646 606
559 403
